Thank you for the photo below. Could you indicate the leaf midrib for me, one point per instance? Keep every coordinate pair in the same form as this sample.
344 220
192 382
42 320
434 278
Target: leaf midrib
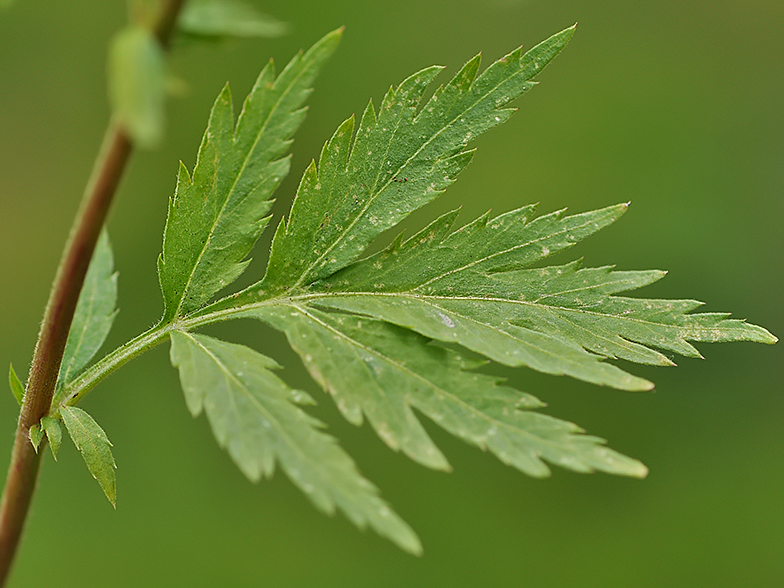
427 297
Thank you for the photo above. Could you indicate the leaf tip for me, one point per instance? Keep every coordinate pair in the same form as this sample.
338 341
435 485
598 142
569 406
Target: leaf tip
225 93
639 471
328 42
415 548
641 384
567 33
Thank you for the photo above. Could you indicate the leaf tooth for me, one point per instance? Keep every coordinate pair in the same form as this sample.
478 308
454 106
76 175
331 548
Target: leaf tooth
758 334
513 218
501 115
221 120
397 242
496 75
334 155
183 179
387 102
513 56
413 87
446 169
308 183
439 229
314 57
459 85
543 53
431 104
260 90
363 137
467 230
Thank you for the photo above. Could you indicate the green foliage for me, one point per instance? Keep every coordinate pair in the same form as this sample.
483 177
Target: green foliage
137 84
228 18
403 329
54 433
400 160
469 287
17 388
383 371
93 318
36 434
218 213
94 446
254 415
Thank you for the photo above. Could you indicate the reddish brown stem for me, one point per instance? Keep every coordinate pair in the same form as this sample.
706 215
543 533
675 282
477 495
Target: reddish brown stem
52 337
45 366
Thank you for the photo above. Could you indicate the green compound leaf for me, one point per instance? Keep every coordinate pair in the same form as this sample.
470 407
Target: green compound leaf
17 388
378 333
94 315
254 416
137 85
54 433
383 371
228 18
399 160
94 446
217 215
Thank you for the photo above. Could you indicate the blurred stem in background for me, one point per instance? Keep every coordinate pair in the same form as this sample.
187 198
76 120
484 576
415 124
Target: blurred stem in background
107 171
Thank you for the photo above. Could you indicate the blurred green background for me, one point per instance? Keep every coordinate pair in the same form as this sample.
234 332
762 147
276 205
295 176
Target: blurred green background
676 106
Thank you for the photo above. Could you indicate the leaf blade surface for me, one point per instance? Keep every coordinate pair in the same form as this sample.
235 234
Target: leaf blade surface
382 371
54 433
218 212
93 317
254 416
400 159
95 447
17 388
471 287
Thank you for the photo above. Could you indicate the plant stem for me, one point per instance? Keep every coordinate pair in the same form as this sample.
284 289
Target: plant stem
49 348
45 366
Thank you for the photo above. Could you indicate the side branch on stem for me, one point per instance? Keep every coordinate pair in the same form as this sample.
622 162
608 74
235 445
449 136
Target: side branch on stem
45 366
